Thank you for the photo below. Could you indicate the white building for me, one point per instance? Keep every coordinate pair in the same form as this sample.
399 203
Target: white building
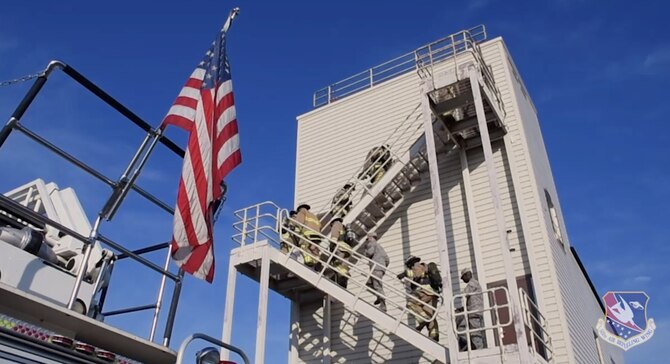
471 197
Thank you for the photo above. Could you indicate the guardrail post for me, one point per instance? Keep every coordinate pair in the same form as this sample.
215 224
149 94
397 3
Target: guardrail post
261 327
258 217
88 245
372 83
329 93
244 228
159 299
453 55
169 324
229 306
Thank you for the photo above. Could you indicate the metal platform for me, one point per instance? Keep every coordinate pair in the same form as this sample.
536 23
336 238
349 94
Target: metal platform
455 106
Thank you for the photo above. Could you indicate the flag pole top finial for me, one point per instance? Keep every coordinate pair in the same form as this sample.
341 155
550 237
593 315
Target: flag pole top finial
233 13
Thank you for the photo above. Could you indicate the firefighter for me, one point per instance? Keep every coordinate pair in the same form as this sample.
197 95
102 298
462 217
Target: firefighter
379 260
341 250
376 164
408 273
310 226
290 233
425 291
341 203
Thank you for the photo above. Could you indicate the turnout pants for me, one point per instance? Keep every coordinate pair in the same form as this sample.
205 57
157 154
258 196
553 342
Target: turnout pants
423 311
310 246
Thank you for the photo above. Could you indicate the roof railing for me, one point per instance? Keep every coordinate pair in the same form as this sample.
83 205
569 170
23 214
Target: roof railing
438 51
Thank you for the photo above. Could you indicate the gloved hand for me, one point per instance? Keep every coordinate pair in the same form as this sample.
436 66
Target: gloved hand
401 275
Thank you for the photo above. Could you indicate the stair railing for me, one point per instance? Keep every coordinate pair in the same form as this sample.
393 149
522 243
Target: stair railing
494 305
398 143
263 222
537 324
465 41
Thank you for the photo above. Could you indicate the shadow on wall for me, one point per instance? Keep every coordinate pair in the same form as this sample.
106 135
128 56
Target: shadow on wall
311 333
518 228
421 193
476 160
355 340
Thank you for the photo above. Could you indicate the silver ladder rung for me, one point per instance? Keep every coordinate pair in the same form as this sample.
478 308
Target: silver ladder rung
375 210
367 219
382 199
412 174
402 182
359 229
393 192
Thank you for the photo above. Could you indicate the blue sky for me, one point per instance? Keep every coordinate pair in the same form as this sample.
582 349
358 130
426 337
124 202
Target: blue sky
598 74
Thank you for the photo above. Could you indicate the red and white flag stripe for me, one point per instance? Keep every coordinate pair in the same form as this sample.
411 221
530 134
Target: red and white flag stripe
205 108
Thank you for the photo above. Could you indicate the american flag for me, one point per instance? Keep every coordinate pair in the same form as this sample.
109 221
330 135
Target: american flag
206 109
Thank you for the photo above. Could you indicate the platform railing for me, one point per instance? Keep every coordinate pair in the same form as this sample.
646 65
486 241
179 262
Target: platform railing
466 41
441 50
120 187
538 326
263 222
496 307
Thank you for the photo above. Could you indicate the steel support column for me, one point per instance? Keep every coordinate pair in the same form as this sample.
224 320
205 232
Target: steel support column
521 206
229 307
172 312
515 303
438 211
294 333
601 357
474 234
261 327
326 330
159 299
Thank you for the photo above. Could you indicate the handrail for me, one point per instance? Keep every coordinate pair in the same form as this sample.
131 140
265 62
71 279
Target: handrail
396 66
270 231
538 325
497 325
120 186
189 339
493 308
396 143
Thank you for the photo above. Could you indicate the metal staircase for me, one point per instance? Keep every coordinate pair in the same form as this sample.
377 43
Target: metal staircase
259 236
259 233
372 202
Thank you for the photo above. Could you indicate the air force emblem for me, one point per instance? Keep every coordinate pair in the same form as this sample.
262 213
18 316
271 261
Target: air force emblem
625 323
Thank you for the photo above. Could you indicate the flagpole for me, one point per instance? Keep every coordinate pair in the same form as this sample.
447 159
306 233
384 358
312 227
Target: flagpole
231 17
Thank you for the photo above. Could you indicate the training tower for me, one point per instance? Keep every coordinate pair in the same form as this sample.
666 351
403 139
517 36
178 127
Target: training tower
470 185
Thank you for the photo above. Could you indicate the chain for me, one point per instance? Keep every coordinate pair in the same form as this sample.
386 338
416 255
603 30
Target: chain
20 79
